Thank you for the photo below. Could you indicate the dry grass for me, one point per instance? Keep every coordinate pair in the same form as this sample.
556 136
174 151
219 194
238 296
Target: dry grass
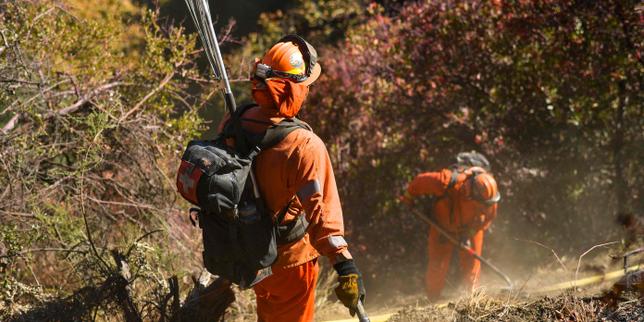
482 307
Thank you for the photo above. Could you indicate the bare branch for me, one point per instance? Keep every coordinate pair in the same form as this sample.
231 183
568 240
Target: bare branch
41 250
546 247
19 81
129 251
67 110
11 124
226 33
74 107
13 104
102 264
17 214
167 78
590 250
127 204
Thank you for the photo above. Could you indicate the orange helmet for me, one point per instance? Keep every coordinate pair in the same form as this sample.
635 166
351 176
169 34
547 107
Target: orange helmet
484 188
292 58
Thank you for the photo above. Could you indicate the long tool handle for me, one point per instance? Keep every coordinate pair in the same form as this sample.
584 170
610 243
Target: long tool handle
200 12
228 94
362 314
461 245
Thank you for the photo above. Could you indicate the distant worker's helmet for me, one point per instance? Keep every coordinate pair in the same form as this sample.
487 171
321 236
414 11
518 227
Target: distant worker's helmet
484 188
292 58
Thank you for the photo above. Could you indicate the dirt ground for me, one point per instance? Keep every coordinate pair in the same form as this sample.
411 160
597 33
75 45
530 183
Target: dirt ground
564 307
527 302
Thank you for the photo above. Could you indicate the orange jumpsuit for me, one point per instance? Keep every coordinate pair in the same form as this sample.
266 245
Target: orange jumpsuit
297 166
463 217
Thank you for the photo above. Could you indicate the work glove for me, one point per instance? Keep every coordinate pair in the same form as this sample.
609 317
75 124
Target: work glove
350 288
467 233
406 199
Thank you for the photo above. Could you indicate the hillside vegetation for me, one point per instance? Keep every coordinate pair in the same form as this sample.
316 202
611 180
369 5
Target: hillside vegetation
97 99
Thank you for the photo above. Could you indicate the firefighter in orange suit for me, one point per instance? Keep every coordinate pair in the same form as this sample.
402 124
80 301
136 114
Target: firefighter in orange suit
297 173
465 203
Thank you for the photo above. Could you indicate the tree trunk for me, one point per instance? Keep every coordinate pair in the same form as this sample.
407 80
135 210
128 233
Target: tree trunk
619 181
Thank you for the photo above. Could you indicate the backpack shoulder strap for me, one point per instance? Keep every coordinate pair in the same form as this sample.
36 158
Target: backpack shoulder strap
452 182
453 179
276 133
245 141
282 214
233 125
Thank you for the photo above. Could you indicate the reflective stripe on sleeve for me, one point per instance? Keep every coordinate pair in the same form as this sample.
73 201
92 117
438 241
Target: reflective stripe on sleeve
309 189
337 241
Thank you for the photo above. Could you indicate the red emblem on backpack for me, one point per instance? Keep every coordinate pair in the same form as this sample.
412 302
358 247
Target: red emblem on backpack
187 180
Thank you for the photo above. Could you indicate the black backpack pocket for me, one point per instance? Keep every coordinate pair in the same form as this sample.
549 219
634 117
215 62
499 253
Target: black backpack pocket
241 249
218 250
257 236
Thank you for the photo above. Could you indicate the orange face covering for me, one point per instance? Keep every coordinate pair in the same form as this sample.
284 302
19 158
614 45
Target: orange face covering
280 94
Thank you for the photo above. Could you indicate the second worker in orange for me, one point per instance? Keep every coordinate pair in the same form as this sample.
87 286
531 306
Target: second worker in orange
465 200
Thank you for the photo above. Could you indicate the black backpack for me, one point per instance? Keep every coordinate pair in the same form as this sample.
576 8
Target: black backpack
239 235
471 159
